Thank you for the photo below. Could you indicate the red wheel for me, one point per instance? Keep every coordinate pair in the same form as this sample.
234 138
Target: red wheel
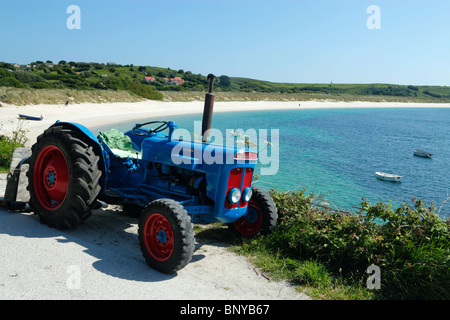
158 237
51 177
166 237
261 216
251 223
63 178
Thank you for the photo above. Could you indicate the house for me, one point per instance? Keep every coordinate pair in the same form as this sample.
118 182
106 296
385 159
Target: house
149 79
176 81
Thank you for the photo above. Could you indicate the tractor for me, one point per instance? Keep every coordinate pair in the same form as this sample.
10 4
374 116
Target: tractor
72 172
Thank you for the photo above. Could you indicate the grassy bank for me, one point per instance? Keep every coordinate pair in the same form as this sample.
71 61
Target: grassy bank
22 96
327 253
27 96
268 96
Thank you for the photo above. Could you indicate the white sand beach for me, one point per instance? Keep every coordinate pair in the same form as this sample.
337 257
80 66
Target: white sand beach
103 114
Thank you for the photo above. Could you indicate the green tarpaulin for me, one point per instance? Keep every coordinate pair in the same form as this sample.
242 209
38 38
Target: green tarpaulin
119 143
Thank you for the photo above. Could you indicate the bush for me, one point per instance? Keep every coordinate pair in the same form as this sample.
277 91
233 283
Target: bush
144 90
410 244
9 144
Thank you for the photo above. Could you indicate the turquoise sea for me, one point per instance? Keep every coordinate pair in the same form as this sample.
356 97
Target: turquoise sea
335 152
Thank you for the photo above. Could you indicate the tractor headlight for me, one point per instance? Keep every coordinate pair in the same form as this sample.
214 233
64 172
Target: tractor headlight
247 194
234 195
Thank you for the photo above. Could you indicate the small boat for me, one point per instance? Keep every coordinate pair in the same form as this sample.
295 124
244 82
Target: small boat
25 117
388 176
421 153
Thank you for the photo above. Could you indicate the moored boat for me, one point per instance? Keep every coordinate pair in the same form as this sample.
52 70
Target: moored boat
421 153
25 117
388 176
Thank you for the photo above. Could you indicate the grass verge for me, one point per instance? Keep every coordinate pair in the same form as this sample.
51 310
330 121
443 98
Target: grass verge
327 253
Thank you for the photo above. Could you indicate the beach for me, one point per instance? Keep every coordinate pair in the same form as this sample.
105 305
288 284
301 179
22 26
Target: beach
103 114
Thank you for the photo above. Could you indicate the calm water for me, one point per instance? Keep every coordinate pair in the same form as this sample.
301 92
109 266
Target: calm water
336 152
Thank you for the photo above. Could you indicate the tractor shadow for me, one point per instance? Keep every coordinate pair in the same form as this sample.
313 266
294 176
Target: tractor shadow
108 235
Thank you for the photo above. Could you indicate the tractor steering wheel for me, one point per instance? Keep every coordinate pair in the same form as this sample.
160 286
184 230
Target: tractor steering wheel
144 132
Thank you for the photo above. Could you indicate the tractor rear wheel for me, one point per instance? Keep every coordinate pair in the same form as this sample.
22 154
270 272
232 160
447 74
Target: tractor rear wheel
63 178
261 216
166 236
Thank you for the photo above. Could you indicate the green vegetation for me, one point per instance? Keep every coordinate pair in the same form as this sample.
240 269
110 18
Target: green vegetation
149 82
327 253
8 144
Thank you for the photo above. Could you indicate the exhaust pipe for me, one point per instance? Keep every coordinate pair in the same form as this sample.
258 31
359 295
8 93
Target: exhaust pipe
208 109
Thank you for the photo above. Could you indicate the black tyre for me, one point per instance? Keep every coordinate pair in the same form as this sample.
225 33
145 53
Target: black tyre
166 237
63 178
261 217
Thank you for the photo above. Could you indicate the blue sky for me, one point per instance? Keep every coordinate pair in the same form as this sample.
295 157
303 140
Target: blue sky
303 41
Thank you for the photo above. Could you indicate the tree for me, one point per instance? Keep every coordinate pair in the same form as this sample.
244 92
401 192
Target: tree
224 81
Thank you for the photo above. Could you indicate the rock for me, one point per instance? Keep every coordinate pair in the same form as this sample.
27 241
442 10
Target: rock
19 154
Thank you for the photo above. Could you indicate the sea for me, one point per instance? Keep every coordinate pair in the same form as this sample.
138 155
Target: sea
334 153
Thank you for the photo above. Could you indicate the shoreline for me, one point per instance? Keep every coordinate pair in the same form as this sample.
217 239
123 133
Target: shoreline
94 115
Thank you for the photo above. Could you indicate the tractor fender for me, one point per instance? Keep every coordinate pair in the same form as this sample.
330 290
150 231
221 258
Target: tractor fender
90 137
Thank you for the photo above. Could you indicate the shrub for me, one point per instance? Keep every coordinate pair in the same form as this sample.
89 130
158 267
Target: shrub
144 90
9 144
410 244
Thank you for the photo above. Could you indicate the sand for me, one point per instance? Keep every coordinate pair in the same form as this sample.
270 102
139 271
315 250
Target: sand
98 115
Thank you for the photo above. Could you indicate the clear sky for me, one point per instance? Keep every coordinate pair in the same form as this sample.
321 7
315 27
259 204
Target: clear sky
303 41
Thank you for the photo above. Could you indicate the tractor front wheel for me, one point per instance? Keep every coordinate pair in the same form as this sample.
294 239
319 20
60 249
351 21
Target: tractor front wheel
261 216
166 236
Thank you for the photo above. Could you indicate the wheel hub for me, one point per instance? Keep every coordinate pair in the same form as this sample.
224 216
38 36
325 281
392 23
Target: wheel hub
159 237
162 237
50 177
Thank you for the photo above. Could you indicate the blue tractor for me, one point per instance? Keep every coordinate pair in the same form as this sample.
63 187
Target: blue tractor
72 171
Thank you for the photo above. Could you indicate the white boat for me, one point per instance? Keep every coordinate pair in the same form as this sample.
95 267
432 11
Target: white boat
421 153
388 176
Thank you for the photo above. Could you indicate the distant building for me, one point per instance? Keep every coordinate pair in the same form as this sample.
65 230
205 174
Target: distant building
176 81
111 63
149 79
